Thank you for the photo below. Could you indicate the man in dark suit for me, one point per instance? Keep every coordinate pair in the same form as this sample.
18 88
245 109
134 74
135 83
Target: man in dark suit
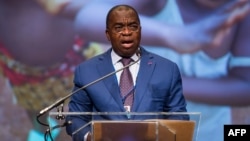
156 82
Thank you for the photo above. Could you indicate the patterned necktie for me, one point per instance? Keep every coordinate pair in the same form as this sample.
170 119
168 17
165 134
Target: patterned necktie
126 85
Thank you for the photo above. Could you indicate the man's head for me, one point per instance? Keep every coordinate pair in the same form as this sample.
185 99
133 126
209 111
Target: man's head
123 30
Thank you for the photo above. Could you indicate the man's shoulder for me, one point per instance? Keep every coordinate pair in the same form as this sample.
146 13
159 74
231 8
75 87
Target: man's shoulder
158 58
94 59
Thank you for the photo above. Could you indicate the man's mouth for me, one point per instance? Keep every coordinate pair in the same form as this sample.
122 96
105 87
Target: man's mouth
127 44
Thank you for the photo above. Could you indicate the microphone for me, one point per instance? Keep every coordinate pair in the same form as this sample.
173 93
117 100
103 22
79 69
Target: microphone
61 100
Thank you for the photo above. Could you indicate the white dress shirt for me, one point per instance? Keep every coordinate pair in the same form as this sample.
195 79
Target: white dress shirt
118 65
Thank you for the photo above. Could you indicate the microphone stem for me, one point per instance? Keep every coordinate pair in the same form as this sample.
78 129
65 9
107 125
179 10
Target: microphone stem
61 100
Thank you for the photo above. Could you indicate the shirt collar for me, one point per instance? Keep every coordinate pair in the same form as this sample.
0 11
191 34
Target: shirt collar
116 58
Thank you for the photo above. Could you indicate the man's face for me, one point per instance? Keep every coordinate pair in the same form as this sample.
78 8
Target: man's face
124 32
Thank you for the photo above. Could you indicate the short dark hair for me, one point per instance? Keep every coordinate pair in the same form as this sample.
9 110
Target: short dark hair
123 6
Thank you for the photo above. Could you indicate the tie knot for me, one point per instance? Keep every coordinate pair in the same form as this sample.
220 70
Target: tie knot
126 61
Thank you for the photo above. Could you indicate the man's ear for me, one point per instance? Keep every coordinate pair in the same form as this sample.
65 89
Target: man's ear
107 35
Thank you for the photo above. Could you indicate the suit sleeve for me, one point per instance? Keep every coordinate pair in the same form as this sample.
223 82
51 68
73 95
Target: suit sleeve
176 100
79 102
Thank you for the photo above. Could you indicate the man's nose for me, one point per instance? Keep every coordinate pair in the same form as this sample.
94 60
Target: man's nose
126 30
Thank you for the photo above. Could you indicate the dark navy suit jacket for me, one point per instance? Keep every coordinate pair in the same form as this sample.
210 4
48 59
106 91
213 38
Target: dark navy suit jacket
158 89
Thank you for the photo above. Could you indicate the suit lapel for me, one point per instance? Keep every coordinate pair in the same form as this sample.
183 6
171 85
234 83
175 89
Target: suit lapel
105 67
147 66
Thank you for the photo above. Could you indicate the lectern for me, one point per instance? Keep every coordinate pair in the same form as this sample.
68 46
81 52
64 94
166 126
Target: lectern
145 127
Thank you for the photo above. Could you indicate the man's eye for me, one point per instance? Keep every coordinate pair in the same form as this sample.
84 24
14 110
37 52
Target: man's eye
133 27
118 28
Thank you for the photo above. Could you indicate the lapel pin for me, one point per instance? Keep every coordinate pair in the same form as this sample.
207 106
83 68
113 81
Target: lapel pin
150 63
